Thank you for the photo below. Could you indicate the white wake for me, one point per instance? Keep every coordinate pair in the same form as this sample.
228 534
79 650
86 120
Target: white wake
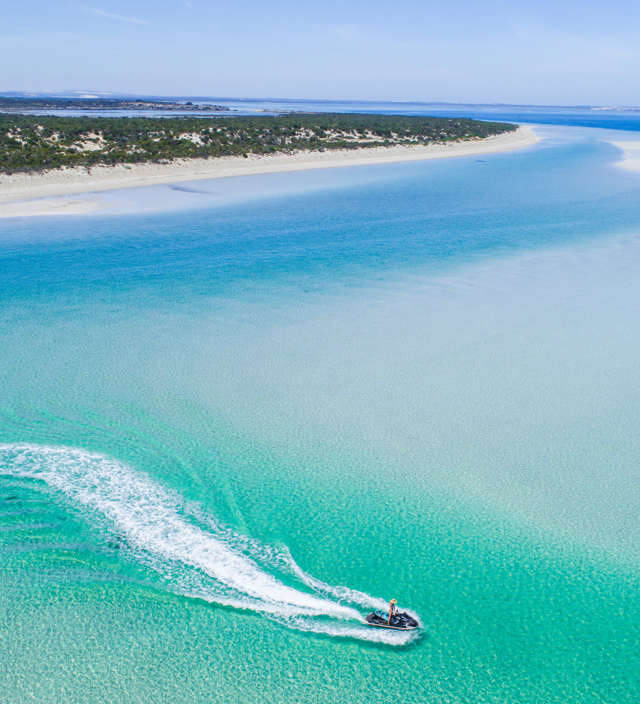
195 555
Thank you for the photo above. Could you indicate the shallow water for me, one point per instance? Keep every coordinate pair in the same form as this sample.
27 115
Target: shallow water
232 425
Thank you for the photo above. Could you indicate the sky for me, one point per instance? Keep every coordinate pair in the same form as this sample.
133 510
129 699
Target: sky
536 52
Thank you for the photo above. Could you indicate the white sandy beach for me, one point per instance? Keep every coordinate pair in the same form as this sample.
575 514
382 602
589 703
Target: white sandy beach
47 193
631 155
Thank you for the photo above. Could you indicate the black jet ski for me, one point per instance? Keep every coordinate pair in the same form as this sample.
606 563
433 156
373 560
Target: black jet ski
400 621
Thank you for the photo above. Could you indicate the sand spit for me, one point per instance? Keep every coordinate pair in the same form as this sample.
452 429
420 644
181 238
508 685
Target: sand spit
40 194
631 154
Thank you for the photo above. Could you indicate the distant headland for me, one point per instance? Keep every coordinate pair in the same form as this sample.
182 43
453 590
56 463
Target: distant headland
29 104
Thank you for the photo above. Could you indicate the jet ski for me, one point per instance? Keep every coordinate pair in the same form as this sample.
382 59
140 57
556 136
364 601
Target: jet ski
399 621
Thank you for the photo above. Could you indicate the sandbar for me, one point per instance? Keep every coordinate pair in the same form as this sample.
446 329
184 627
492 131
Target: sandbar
47 193
631 154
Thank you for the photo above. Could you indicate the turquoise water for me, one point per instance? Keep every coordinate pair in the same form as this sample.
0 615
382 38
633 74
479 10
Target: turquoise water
234 422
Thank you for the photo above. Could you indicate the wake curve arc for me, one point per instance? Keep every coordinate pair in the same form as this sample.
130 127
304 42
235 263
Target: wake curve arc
194 554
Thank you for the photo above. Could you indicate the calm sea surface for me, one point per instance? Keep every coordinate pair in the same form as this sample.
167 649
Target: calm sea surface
237 415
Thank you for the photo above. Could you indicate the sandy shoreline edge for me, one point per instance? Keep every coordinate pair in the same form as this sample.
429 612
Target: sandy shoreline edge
630 154
39 194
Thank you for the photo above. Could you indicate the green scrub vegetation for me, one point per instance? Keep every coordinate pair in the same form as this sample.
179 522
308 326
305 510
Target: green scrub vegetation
39 143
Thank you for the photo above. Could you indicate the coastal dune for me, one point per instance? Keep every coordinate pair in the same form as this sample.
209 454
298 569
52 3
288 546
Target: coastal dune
47 193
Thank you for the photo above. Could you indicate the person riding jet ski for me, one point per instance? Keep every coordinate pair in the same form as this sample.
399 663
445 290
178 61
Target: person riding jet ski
392 610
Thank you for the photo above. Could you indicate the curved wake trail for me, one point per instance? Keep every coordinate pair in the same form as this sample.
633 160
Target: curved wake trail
194 554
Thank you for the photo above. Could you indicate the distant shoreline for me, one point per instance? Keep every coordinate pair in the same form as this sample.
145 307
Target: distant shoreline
25 106
41 193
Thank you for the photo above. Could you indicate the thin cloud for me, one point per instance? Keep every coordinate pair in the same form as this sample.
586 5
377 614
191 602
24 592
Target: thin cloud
113 16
